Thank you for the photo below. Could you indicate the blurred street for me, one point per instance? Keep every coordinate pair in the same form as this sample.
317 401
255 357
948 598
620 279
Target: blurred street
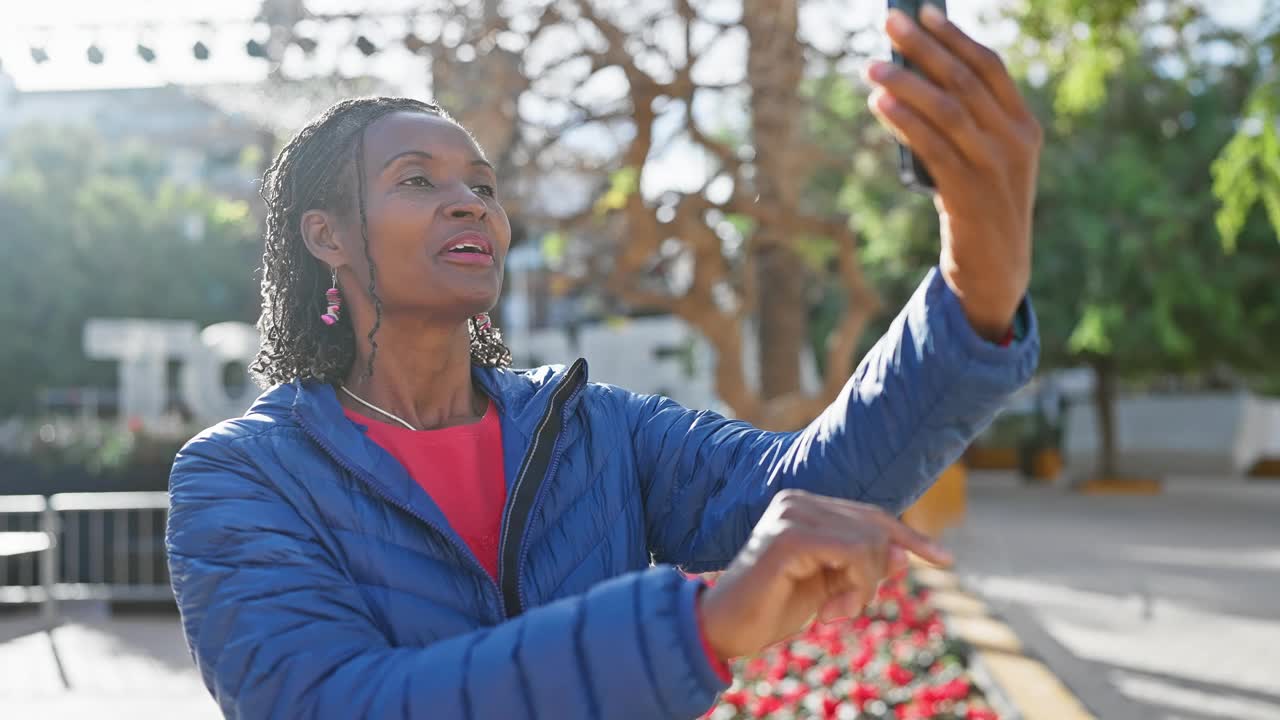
123 667
1157 607
1147 607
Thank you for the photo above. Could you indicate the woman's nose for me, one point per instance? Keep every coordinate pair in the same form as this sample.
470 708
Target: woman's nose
467 204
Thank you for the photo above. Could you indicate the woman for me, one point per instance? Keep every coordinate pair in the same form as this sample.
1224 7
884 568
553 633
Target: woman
402 527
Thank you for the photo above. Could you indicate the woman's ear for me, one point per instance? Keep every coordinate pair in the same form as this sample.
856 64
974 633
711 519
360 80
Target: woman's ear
320 233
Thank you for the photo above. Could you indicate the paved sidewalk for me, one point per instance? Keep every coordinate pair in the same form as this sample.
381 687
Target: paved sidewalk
1157 608
1164 607
107 668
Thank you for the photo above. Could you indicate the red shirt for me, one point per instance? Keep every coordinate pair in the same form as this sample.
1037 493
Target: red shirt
460 467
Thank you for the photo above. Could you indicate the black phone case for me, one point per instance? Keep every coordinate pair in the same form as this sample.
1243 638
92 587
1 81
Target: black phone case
911 168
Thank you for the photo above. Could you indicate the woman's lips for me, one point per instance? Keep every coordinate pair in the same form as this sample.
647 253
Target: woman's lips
479 249
465 258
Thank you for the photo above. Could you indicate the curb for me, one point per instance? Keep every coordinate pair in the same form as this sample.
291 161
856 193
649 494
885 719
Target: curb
1019 687
1121 486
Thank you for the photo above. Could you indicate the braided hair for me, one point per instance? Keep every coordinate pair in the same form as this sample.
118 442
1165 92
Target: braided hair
313 171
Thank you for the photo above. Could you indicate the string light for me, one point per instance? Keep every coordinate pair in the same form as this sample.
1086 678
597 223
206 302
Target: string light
411 41
255 49
414 44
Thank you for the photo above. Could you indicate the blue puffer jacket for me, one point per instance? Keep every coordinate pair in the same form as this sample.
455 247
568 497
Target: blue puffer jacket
317 580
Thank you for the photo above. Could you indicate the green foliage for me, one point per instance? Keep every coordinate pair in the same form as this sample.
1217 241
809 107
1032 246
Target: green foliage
96 231
1084 84
623 183
859 183
1128 259
1247 173
1085 40
1128 233
1048 19
553 248
1088 42
743 224
897 230
817 251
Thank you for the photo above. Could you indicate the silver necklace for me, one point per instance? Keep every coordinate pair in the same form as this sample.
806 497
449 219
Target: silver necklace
375 408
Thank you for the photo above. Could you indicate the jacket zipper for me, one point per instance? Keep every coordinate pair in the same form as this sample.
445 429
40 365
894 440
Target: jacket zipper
464 552
537 502
511 557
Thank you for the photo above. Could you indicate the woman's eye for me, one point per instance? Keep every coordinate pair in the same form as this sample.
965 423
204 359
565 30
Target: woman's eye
417 181
486 190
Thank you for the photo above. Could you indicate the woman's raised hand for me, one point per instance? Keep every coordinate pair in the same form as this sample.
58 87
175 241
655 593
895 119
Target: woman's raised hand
809 555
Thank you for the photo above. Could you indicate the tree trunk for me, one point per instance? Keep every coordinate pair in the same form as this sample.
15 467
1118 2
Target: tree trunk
767 189
1104 403
775 64
782 321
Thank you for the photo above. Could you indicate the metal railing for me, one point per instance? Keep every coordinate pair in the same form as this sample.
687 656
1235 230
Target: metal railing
83 546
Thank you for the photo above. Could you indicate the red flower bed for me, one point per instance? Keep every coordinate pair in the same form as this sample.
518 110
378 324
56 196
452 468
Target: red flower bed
894 662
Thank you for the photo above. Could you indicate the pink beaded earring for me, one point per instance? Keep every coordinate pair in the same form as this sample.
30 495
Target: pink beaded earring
333 301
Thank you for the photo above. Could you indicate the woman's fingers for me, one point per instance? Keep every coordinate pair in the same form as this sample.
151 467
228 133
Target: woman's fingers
943 111
946 70
898 533
983 61
898 560
862 546
850 588
945 162
838 607
808 554
840 594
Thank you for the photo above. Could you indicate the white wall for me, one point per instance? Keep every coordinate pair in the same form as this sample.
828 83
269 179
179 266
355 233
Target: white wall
630 354
648 355
1185 435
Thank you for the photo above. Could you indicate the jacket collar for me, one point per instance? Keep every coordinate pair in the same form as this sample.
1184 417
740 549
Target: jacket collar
522 397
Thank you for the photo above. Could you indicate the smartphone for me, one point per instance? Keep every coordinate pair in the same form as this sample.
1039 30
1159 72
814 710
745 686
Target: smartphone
910 167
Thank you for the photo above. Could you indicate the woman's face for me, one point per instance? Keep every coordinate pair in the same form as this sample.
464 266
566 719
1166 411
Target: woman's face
437 234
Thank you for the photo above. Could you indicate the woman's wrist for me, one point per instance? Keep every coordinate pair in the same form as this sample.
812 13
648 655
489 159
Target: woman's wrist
720 664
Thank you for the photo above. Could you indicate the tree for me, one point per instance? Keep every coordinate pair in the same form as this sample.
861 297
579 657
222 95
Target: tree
608 92
781 163
96 231
1130 277
1129 271
688 128
643 84
1130 268
1247 170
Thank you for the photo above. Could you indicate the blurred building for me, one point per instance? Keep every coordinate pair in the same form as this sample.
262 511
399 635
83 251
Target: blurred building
202 143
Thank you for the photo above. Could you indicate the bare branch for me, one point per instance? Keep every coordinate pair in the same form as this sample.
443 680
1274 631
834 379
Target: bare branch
616 40
846 47
862 304
646 299
567 58
553 134
550 17
728 158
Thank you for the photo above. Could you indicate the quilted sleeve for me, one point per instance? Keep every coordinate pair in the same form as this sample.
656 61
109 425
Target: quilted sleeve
278 630
916 400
